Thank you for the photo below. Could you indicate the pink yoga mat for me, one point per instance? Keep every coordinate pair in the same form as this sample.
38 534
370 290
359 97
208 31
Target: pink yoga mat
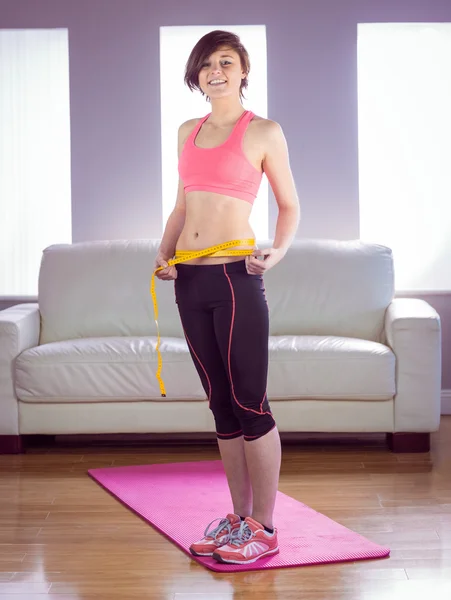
180 500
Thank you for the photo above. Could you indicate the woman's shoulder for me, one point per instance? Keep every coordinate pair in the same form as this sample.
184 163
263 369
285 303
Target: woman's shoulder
188 126
190 123
185 130
266 127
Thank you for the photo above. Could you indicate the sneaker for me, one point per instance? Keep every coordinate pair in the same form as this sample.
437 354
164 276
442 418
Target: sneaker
248 543
217 537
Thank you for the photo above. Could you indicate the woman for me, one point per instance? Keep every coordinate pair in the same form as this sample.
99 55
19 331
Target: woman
221 299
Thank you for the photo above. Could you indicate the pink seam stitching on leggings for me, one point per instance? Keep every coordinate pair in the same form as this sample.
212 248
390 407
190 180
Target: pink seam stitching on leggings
206 375
256 436
267 306
230 347
229 434
209 385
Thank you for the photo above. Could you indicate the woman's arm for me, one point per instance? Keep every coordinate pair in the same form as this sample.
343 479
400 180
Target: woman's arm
276 165
176 220
174 225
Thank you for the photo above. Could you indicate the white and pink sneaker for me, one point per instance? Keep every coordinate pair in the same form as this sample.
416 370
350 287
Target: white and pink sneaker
248 543
217 537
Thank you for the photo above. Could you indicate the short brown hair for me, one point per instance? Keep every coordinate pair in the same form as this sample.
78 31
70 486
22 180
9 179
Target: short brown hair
208 44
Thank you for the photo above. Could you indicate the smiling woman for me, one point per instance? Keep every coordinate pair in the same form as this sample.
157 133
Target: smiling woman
221 296
179 104
234 61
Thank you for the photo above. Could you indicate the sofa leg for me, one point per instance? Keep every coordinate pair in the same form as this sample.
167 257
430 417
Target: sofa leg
409 442
12 444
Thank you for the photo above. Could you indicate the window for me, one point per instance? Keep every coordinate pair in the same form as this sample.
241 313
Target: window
404 99
178 104
35 199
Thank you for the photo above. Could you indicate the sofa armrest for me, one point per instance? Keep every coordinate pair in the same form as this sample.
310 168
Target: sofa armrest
413 331
19 330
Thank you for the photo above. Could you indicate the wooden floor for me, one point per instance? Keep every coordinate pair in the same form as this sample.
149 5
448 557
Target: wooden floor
63 537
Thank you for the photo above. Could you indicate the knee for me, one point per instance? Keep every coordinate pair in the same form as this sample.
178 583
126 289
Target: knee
256 426
227 424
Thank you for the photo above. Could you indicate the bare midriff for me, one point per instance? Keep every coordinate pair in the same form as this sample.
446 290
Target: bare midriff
213 219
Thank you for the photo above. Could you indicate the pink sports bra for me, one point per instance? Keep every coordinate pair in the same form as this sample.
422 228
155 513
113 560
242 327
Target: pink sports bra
223 169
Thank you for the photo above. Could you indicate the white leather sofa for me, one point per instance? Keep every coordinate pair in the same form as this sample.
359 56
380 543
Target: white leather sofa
345 356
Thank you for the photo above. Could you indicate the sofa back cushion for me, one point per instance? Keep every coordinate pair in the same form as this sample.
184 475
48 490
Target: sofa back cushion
328 287
322 287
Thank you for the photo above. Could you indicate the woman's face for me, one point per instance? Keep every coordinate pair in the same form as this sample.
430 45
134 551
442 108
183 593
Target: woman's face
221 74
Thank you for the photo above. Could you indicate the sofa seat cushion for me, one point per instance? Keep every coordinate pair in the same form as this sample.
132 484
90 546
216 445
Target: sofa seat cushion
123 368
106 369
329 367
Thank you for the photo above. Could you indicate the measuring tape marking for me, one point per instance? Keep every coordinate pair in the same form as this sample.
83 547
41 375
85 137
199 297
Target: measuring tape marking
183 256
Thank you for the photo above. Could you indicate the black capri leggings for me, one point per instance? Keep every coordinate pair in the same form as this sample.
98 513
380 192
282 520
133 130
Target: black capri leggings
225 318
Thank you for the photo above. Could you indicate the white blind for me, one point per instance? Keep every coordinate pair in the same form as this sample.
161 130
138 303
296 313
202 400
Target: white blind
35 196
404 99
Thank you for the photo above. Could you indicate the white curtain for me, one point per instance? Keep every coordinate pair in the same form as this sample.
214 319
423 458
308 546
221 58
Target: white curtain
404 91
35 190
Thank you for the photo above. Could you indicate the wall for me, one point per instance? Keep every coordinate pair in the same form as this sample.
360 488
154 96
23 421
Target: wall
115 105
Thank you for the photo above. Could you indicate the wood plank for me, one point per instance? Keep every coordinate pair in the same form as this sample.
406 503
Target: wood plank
63 537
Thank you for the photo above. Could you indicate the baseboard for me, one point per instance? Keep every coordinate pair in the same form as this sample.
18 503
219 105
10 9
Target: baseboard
446 402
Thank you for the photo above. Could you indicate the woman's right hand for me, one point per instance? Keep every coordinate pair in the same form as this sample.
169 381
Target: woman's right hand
166 274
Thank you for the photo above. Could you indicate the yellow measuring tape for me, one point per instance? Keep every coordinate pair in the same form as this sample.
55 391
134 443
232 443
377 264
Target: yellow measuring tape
183 256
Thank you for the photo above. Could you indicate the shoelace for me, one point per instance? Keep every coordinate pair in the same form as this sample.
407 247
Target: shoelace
223 523
241 535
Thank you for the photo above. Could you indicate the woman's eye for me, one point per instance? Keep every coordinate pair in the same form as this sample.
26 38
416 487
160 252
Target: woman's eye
224 62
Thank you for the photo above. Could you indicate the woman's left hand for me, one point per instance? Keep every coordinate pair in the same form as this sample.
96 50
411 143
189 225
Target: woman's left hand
257 266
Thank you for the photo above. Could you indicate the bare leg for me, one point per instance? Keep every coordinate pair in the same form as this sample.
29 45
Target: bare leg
263 457
234 461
